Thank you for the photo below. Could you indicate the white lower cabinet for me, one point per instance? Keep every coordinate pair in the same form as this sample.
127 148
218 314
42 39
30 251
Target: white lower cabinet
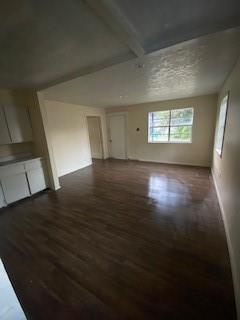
36 176
21 179
15 187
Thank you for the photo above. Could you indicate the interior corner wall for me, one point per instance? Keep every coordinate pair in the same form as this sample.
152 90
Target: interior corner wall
198 153
69 134
226 174
42 143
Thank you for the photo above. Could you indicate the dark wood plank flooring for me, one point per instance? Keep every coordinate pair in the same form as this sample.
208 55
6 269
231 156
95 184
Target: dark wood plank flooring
121 240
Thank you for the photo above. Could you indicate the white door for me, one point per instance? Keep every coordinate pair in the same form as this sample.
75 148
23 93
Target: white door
117 136
95 137
19 124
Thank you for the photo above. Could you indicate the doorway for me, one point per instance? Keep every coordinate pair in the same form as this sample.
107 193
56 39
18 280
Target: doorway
117 136
95 136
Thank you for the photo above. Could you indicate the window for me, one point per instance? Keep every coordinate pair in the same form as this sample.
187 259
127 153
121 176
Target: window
170 126
221 124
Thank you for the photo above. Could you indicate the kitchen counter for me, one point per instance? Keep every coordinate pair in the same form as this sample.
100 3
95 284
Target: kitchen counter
21 177
16 160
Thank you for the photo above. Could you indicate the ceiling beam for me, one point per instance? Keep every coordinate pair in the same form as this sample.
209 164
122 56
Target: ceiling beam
109 12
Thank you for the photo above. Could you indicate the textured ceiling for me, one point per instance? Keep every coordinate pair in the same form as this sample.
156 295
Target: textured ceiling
45 42
192 68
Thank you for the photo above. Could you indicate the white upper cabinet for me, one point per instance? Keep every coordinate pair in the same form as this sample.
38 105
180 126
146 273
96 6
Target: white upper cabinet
4 132
19 124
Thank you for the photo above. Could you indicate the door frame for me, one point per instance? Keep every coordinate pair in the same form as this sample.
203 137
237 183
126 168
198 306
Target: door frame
108 116
100 130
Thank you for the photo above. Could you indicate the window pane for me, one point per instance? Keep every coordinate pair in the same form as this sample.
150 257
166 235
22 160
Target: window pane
159 134
160 118
221 124
181 134
182 117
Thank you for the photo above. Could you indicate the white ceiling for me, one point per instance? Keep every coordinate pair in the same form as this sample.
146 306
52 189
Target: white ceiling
192 68
45 42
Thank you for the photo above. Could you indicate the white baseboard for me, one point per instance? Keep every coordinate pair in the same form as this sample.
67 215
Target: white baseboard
83 165
233 262
172 162
57 188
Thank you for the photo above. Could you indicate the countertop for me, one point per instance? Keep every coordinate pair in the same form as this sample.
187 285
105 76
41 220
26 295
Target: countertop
23 159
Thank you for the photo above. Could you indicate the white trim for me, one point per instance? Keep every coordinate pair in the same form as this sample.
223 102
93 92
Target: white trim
220 150
169 126
70 171
172 162
236 284
171 142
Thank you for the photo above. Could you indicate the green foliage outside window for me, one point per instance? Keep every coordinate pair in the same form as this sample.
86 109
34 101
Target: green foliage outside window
171 125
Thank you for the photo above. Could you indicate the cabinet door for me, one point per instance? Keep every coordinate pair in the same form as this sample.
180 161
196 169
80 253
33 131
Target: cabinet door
4 132
36 180
15 187
2 200
19 124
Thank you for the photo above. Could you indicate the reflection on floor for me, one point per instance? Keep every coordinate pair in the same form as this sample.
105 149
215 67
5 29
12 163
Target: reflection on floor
121 240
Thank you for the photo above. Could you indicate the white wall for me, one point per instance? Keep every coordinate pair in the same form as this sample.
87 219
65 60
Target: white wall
226 172
67 124
199 152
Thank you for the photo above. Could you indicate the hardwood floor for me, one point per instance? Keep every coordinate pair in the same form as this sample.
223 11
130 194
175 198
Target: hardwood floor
121 240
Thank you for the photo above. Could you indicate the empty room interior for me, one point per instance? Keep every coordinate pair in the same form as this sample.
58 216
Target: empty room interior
120 159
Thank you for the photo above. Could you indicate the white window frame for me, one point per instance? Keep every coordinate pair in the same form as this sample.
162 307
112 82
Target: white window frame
169 126
222 118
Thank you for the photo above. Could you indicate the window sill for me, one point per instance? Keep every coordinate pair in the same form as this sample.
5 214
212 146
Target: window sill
170 142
